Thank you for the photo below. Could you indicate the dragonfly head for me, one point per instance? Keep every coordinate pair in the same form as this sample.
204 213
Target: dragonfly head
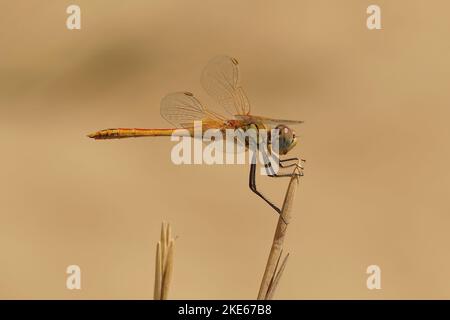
288 139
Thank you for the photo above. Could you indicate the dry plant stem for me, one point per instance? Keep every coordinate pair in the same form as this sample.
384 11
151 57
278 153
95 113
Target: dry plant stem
158 272
167 276
276 280
164 263
272 274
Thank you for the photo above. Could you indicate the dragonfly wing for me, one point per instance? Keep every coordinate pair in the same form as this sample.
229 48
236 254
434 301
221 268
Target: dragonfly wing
181 109
220 79
271 121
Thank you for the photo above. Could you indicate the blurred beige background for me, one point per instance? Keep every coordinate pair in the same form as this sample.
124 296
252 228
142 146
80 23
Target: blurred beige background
376 110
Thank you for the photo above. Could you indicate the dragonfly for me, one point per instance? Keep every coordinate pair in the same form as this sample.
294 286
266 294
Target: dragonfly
221 81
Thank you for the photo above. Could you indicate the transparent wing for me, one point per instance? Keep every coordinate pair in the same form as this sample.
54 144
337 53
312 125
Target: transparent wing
253 118
220 79
181 109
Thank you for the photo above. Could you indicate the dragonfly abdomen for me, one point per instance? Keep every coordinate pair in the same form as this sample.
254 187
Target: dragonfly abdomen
120 133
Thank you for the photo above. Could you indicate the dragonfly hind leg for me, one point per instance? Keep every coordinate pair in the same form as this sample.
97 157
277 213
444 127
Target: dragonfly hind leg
271 173
252 185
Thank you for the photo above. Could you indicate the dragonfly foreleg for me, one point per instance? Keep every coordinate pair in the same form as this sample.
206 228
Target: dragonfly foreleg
297 163
298 170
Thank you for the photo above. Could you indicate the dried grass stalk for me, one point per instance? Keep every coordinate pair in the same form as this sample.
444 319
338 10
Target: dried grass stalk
167 276
272 274
274 283
164 263
158 273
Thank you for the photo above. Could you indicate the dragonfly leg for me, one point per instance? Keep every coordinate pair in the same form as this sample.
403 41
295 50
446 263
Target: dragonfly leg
298 170
252 185
297 163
